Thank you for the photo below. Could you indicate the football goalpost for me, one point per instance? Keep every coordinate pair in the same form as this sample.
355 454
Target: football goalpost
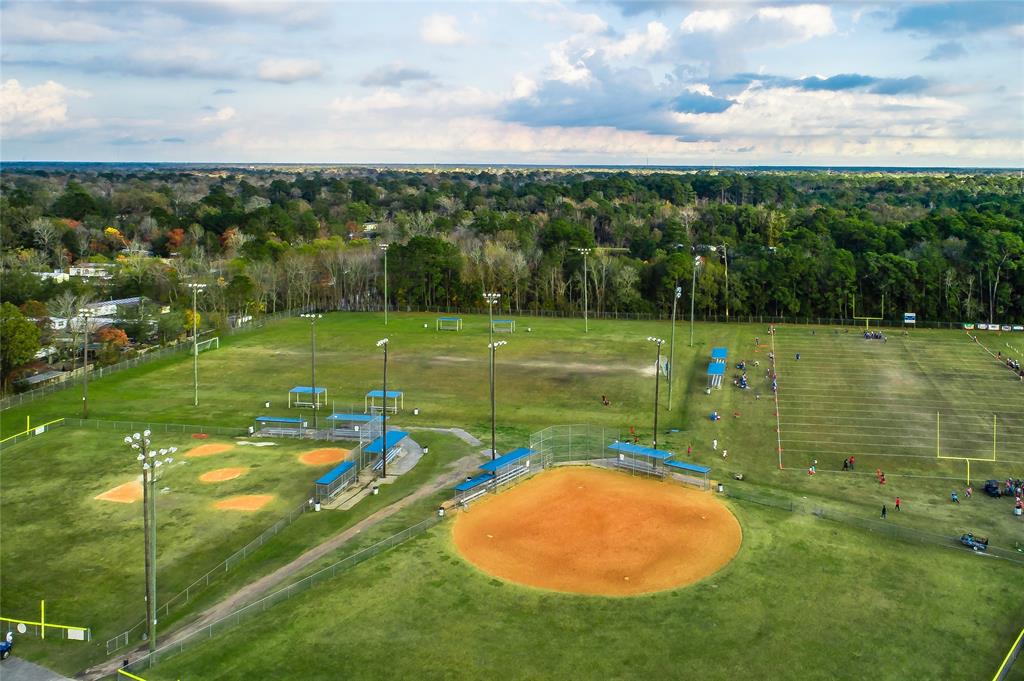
208 344
965 459
867 321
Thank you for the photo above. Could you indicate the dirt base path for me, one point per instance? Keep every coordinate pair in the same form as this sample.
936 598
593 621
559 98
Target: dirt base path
251 592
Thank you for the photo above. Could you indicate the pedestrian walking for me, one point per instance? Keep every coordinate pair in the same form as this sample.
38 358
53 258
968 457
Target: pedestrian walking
884 512
897 503
846 464
689 449
969 491
725 453
851 463
954 498
714 444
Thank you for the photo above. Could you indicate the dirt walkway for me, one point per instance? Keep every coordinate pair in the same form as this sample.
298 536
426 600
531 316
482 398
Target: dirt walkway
457 432
251 592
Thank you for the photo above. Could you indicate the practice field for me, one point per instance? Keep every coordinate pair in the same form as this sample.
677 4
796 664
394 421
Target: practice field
902 406
593 531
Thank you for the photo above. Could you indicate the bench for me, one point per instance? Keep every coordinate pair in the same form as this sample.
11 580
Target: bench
635 466
510 475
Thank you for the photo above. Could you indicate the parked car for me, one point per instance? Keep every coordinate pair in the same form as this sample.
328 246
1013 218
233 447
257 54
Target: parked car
979 544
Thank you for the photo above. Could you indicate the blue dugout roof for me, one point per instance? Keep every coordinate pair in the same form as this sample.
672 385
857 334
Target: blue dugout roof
473 482
336 473
716 369
362 418
449 319
692 467
307 390
719 353
393 438
504 321
506 459
280 419
380 393
637 450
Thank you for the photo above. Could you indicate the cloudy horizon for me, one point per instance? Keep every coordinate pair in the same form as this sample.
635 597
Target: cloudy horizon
611 83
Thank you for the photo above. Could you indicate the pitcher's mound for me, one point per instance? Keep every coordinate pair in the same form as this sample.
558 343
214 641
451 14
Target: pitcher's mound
127 493
321 457
222 474
208 450
593 531
245 502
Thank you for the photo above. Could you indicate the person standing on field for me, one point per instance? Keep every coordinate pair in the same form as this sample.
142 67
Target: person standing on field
714 444
884 512
897 503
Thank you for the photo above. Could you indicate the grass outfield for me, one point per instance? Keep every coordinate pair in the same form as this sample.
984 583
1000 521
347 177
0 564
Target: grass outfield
804 599
835 401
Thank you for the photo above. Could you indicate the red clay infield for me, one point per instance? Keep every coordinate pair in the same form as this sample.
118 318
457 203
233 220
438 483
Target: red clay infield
245 502
208 450
222 474
320 457
127 493
592 531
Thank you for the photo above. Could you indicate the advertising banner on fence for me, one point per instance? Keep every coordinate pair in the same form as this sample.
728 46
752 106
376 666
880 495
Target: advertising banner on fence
910 318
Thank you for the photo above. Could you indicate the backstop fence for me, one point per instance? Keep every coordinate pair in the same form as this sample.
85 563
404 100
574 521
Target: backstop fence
283 594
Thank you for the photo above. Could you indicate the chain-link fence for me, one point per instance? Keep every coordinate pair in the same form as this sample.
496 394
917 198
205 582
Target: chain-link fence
31 432
192 590
179 347
281 595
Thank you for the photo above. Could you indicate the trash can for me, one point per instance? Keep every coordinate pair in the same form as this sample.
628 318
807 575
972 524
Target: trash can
251 430
416 412
267 405
376 490
721 488
316 506
426 450
440 512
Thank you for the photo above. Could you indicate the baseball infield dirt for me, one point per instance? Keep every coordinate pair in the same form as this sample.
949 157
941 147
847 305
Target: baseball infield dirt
321 457
245 502
599 532
222 474
208 450
127 493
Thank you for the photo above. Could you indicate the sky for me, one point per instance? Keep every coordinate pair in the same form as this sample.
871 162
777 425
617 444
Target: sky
594 82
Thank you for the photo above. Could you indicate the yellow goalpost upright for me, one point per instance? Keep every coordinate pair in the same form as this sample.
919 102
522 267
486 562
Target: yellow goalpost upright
965 459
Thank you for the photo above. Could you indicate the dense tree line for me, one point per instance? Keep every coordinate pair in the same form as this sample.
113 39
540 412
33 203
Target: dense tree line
949 246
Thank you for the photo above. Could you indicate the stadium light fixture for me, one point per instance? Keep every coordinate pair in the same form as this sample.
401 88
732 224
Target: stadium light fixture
384 248
196 288
493 347
585 252
491 299
313 318
150 460
383 343
657 376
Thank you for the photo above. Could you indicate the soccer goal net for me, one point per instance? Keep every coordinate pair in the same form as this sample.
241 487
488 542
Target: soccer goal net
208 344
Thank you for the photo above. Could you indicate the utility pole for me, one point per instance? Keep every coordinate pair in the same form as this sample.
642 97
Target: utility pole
383 343
384 247
586 322
672 349
725 254
195 343
493 347
313 318
657 377
85 312
693 289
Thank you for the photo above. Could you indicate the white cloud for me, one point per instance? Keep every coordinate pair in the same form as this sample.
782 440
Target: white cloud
289 70
21 27
568 71
714 20
441 29
653 39
220 116
523 86
803 21
27 110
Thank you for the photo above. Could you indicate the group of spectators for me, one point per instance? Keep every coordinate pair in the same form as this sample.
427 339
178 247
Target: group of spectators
875 335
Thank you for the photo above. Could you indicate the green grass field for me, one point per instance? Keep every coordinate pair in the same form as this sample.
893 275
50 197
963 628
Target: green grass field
845 396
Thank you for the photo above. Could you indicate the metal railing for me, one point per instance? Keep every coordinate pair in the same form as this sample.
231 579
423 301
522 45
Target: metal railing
281 595
155 426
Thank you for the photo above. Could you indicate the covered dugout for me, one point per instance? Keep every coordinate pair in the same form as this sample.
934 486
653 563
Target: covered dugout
448 324
639 459
503 326
472 488
280 425
305 396
716 372
719 354
362 427
370 401
691 473
336 480
389 445
507 467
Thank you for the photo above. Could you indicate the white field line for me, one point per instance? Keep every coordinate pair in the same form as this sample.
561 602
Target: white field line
946 457
778 412
975 439
888 476
817 425
925 410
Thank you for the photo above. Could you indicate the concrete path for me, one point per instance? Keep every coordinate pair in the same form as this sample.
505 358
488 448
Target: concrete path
16 669
457 432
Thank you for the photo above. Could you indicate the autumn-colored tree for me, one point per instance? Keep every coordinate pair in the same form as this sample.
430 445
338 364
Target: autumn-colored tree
111 335
176 237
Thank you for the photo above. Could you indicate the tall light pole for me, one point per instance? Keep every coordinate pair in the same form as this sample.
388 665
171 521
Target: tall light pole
196 288
725 255
85 313
312 366
657 376
672 348
491 299
383 343
149 462
384 247
493 347
693 289
585 252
